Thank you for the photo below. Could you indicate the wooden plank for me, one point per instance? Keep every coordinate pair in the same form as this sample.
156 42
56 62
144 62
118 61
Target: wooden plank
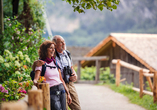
148 75
91 58
141 82
122 79
150 83
144 91
118 73
130 66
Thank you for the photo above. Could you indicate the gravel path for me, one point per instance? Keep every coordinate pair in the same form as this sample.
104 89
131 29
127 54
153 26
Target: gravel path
95 97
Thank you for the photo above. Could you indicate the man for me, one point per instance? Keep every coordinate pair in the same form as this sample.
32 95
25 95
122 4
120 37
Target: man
64 60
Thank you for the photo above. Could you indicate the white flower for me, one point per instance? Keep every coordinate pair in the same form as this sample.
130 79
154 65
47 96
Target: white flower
18 32
17 72
9 24
17 64
21 57
7 52
7 65
20 53
27 59
1 59
8 19
30 28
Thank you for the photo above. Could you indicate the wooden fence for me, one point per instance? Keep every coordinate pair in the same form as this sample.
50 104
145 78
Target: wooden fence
142 73
37 99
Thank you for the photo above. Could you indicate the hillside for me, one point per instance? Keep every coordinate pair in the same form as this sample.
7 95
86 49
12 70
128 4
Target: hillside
131 16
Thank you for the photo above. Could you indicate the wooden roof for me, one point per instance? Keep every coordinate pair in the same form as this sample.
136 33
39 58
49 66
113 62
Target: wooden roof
143 47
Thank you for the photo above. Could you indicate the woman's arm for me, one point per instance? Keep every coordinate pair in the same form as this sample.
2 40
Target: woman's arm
37 74
66 89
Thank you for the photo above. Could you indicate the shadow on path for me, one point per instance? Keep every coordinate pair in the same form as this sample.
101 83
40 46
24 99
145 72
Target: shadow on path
95 97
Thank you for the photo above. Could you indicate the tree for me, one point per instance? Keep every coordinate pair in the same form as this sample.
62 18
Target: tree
1 25
82 5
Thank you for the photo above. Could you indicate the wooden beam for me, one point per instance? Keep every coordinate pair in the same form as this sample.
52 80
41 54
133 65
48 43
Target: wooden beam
150 83
91 58
141 82
122 79
130 66
148 75
144 91
118 73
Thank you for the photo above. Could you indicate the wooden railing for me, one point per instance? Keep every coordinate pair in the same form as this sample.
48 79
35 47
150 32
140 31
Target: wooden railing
97 60
142 73
37 99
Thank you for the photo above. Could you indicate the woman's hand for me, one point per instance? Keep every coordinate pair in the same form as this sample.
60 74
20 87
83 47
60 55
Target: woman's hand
69 99
35 82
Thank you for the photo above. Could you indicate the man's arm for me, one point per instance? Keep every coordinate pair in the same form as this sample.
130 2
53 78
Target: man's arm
73 78
37 64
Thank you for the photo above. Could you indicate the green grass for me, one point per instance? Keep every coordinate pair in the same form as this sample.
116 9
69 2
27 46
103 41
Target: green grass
146 101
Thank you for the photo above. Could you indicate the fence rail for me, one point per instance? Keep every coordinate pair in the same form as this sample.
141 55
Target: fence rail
142 73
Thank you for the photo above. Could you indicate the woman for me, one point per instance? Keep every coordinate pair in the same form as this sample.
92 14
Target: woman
53 77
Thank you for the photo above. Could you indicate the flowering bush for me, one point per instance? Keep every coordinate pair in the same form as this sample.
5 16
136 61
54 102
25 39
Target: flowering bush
14 67
15 38
13 90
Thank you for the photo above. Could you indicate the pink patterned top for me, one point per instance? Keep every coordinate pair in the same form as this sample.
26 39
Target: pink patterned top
51 74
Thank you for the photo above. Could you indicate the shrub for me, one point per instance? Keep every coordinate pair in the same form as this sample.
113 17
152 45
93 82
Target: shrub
13 90
14 67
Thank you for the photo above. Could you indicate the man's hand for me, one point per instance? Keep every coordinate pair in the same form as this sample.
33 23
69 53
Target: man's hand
37 64
73 78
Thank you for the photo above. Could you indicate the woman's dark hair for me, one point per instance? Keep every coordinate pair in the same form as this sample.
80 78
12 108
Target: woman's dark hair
43 49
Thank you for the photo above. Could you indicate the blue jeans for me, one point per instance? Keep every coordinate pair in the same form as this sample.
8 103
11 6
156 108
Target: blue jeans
58 99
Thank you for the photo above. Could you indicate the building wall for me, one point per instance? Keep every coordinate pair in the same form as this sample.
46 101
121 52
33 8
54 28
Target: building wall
118 53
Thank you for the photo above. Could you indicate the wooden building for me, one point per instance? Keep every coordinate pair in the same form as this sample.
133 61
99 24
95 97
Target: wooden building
136 49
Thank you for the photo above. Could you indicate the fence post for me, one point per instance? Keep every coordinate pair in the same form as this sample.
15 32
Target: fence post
79 70
141 82
97 71
35 99
46 94
14 105
118 73
155 87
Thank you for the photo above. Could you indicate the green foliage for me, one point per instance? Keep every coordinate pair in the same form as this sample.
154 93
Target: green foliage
88 73
146 101
82 5
13 90
15 39
105 75
14 67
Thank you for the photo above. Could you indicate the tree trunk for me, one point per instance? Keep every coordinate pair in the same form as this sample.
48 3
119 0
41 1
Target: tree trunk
15 4
1 27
